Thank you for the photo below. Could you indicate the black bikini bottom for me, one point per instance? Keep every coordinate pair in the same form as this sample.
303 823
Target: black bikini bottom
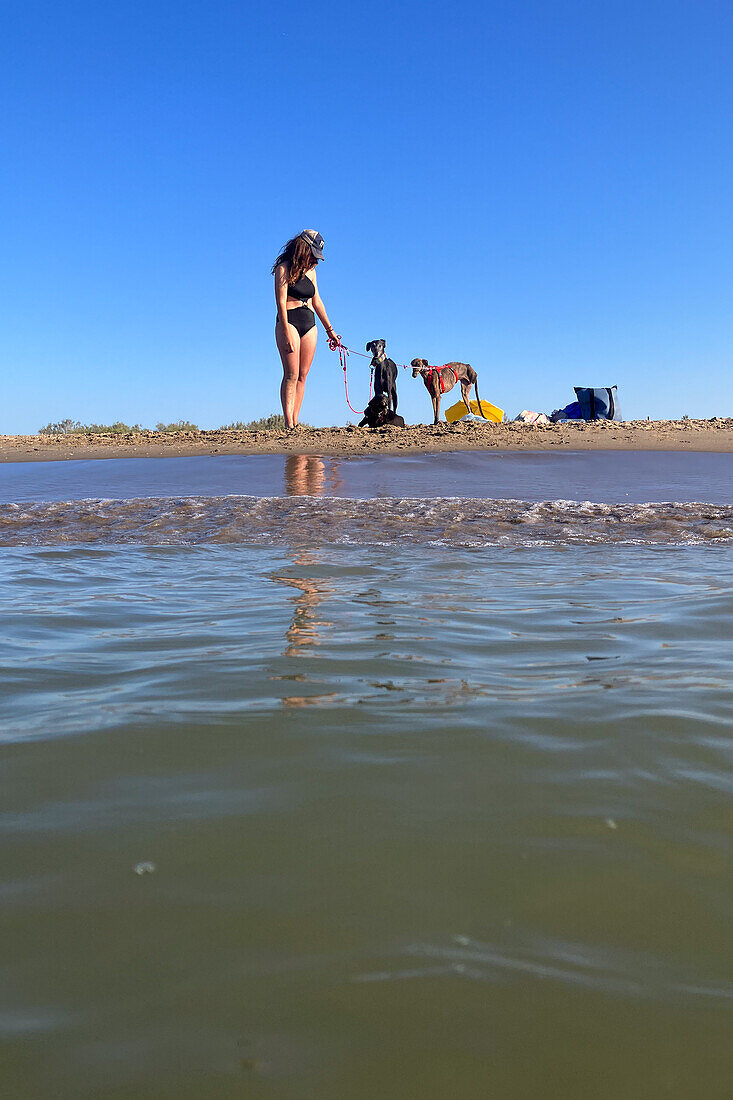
302 319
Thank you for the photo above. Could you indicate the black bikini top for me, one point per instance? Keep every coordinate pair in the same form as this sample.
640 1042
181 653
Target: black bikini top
302 290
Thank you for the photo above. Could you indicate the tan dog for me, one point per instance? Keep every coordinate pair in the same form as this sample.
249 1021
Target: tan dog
440 380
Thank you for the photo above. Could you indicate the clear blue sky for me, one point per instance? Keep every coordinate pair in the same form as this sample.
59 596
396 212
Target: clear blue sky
540 188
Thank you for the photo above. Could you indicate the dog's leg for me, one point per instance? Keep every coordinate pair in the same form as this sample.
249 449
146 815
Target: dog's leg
436 402
466 393
433 396
429 388
428 385
393 396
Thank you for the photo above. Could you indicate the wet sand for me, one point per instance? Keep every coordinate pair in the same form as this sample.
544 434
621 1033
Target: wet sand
639 435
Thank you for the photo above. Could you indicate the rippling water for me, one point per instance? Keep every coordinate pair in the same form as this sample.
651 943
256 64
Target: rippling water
337 806
307 521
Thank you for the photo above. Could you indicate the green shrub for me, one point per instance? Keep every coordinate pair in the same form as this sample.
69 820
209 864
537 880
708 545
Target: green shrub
272 422
61 427
74 427
177 426
118 428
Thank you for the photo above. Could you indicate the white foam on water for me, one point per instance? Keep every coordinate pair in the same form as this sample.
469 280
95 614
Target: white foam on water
303 520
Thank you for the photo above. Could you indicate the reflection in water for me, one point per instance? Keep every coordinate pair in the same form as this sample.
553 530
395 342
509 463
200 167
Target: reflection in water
305 475
304 629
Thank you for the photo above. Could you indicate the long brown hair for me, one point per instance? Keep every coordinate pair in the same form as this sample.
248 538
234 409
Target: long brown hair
297 257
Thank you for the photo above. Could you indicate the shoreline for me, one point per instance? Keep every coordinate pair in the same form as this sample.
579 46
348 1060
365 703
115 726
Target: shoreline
640 435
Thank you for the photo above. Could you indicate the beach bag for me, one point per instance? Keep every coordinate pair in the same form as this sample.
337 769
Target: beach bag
570 412
598 403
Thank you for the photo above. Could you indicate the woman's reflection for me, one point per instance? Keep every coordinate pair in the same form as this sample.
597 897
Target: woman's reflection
304 628
305 475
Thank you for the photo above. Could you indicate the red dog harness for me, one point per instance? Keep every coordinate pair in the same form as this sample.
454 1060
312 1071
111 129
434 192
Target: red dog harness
441 383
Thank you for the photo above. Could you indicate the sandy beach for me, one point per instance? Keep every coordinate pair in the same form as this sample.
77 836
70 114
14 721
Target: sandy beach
640 435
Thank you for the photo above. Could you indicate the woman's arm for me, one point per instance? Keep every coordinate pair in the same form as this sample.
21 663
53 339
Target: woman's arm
320 310
281 297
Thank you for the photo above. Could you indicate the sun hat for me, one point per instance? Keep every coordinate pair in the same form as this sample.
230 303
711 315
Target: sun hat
315 240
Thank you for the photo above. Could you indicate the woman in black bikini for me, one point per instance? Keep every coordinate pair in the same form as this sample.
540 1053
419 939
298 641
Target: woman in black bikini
296 293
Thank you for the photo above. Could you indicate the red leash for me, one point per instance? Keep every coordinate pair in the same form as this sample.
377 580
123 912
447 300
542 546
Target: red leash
343 353
336 345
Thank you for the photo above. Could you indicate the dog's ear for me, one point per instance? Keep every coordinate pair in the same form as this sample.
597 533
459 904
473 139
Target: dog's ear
369 346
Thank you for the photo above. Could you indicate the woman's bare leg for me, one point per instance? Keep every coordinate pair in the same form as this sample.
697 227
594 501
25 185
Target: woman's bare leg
291 368
307 351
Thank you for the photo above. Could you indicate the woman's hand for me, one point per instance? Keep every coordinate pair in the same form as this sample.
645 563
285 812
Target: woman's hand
287 339
333 339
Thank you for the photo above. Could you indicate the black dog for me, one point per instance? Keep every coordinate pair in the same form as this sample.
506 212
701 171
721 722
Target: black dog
385 372
378 414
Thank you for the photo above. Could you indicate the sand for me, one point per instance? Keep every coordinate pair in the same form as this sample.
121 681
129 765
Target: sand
639 435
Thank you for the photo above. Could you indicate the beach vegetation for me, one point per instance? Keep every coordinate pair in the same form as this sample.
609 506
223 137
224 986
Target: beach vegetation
176 426
273 422
75 427
61 427
118 428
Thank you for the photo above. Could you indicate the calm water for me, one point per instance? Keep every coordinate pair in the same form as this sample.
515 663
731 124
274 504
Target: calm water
409 797
615 477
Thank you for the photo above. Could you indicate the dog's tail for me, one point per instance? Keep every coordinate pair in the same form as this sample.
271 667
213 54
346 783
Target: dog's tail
478 399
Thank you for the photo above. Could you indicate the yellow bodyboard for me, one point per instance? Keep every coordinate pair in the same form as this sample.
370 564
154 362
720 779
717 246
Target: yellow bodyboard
487 410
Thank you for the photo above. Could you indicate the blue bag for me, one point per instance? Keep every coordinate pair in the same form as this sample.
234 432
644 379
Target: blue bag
598 403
